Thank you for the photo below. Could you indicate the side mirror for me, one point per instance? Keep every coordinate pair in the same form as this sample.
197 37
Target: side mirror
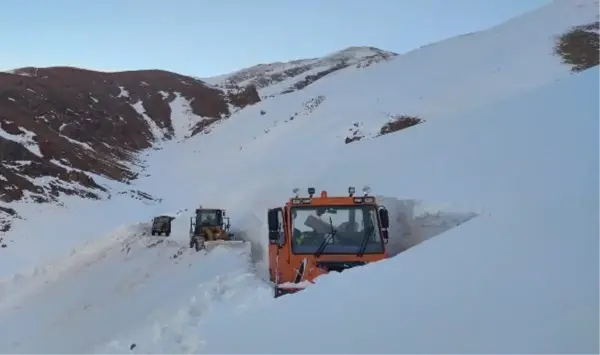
273 219
385 218
273 222
385 234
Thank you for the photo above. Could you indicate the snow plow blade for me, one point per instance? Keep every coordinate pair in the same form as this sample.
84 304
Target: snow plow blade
289 287
211 244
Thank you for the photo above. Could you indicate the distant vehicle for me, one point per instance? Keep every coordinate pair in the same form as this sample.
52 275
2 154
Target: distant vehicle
310 236
210 227
162 225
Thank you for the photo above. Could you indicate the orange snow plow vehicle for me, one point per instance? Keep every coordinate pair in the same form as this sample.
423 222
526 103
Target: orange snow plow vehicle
311 236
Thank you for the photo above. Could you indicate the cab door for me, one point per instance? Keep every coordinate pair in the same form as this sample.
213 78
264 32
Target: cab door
277 241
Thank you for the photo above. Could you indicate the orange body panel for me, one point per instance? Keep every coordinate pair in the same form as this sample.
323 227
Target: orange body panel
288 264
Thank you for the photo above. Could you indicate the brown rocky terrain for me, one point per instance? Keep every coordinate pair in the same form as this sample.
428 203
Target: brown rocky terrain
580 46
59 124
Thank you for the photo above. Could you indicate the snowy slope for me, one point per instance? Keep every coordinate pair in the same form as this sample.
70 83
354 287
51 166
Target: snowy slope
54 308
523 277
461 162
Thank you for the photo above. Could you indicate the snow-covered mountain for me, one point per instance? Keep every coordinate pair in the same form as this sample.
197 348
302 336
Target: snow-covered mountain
493 192
285 77
70 131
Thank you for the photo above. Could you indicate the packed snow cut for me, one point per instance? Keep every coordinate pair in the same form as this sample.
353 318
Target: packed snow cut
312 235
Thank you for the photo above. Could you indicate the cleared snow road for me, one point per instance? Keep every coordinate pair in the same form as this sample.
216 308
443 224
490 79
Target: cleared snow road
124 287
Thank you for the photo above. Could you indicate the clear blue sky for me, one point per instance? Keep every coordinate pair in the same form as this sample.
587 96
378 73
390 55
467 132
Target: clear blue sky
211 37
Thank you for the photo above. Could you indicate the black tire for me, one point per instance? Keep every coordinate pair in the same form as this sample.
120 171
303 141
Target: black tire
198 247
153 233
167 234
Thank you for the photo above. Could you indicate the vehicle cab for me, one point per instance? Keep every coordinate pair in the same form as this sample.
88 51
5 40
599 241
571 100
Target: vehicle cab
209 217
313 235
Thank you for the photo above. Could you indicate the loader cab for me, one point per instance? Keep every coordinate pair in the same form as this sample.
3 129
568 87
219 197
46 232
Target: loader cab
311 235
206 217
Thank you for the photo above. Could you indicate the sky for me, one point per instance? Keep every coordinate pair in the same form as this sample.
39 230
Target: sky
211 37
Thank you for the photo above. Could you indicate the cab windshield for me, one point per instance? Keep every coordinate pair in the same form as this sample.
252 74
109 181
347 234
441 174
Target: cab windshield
346 228
207 218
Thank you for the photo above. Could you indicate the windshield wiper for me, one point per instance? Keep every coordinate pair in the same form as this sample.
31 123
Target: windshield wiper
325 241
365 241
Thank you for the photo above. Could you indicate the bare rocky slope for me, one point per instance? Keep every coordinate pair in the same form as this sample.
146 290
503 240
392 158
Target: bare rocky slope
60 125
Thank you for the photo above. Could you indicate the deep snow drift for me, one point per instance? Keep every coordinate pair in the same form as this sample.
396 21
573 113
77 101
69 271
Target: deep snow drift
510 137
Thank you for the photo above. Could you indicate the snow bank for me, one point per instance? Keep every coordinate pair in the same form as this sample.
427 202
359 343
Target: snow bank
28 281
48 232
111 290
220 284
413 222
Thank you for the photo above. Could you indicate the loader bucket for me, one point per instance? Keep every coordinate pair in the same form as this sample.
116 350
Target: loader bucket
211 244
224 242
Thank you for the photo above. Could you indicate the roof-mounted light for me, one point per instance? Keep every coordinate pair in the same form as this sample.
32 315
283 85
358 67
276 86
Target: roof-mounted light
296 191
311 191
366 190
351 191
